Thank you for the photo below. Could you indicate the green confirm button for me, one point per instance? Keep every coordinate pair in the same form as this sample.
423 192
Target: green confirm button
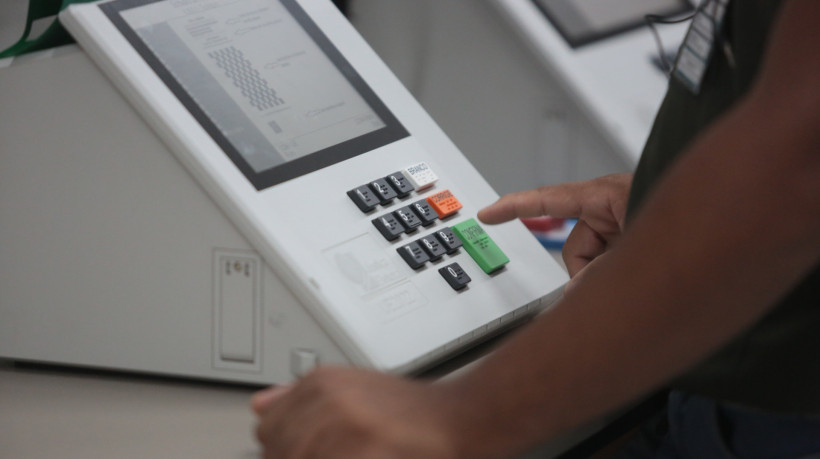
480 246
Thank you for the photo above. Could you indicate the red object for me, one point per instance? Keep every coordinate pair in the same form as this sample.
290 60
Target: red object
543 224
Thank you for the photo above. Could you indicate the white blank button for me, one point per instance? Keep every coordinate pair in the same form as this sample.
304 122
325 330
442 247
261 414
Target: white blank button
302 361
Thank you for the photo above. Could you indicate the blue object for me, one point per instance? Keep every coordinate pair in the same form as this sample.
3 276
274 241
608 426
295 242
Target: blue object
555 239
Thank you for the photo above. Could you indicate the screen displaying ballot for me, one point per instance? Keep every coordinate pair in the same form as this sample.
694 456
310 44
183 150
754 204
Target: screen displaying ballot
263 81
584 21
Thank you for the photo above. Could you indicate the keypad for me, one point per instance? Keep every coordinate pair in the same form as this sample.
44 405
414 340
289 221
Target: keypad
407 219
455 276
435 246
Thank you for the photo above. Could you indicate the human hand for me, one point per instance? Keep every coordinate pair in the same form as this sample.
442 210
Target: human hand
350 413
598 204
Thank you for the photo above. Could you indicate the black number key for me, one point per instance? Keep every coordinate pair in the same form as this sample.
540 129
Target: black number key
426 213
364 198
413 255
408 218
400 183
455 276
432 246
389 226
383 191
448 239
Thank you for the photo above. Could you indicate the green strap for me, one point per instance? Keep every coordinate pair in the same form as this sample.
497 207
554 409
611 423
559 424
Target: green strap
54 35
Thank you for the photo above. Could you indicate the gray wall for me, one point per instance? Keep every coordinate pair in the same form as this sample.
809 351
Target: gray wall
474 75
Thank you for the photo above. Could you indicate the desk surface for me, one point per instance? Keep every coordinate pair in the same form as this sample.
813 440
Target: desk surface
75 413
46 412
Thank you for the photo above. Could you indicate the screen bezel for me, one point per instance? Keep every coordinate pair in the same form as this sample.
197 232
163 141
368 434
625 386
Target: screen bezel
588 38
391 132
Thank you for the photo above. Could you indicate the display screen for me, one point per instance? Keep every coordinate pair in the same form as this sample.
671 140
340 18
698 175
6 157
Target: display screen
585 21
262 79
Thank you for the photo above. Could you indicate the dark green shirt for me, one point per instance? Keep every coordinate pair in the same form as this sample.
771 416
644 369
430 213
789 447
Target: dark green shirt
775 365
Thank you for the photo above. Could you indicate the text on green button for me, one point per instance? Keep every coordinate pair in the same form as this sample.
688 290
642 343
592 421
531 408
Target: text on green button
480 246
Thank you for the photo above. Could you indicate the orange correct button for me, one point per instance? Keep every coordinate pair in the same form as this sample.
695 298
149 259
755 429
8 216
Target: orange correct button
444 203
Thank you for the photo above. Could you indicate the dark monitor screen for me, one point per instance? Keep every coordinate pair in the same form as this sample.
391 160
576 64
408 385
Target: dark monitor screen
581 22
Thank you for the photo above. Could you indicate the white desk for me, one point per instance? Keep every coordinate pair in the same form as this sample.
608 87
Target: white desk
67 414
72 413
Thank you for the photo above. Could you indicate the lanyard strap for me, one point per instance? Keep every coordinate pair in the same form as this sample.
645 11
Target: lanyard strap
54 35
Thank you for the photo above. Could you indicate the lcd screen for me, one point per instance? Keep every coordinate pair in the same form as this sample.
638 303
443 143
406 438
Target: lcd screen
263 81
584 21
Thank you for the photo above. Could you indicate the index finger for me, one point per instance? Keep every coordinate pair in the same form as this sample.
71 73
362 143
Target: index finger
560 201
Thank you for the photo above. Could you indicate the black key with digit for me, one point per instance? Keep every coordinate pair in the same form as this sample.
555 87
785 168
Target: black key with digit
389 226
426 214
455 276
384 192
449 240
432 246
408 218
364 198
413 254
400 183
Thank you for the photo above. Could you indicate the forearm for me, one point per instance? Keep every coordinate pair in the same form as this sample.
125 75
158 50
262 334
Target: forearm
730 230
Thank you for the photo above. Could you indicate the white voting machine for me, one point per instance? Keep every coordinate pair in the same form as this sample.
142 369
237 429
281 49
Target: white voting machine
240 190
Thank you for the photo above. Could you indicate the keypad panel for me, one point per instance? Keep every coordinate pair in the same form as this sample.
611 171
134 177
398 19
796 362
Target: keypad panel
393 189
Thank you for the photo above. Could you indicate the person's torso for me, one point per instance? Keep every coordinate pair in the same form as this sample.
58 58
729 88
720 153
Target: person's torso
776 364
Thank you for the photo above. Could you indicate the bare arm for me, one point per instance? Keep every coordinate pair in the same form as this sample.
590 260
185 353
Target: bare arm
701 263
